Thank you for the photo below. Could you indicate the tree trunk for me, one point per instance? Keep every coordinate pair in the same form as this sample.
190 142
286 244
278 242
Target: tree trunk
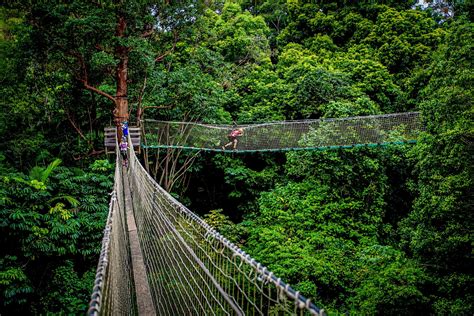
121 101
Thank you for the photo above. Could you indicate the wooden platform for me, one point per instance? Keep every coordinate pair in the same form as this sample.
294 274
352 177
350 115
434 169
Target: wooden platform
110 137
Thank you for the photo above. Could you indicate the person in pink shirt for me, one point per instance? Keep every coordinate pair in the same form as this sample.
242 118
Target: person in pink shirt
234 134
123 151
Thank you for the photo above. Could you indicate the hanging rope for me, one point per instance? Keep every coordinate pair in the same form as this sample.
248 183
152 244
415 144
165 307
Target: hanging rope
191 268
322 134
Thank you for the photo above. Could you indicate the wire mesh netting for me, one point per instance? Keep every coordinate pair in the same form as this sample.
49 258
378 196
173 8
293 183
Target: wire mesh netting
306 134
191 268
114 292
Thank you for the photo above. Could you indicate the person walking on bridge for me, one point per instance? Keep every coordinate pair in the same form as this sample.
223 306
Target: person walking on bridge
123 151
233 135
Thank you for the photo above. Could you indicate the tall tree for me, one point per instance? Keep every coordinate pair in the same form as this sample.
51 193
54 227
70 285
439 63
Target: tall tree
98 43
439 230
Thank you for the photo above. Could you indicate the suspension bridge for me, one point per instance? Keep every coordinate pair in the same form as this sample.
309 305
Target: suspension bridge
159 258
320 134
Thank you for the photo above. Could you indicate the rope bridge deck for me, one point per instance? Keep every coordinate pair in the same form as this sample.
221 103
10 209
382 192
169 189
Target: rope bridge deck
190 269
319 134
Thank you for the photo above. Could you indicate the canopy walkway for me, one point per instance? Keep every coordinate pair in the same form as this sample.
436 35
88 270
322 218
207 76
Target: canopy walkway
159 258
319 134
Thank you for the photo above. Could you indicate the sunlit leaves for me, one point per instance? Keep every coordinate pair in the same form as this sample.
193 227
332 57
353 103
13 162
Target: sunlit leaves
241 37
102 165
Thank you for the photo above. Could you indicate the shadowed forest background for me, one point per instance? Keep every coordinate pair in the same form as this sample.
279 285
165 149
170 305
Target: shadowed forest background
384 230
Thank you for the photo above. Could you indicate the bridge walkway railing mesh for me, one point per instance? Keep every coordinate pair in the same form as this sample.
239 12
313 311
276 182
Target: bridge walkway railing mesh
191 268
287 135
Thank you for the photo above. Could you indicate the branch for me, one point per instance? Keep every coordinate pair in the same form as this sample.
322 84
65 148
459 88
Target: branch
147 33
96 152
183 170
78 130
160 58
84 78
94 89
158 107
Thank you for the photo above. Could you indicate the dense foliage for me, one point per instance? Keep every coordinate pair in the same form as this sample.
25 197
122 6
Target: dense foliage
52 220
370 231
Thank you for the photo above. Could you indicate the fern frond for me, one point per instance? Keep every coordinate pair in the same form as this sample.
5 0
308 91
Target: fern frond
36 173
49 169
